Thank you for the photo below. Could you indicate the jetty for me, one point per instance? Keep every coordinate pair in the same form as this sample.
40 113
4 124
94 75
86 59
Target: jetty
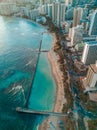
29 91
27 99
25 109
38 51
45 113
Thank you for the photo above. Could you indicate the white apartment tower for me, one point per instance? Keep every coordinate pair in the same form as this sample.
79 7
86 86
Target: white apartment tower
76 35
91 79
90 53
58 13
77 16
55 11
50 10
62 12
67 2
93 25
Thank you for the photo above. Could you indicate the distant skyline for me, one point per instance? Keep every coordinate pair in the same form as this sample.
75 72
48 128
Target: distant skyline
74 2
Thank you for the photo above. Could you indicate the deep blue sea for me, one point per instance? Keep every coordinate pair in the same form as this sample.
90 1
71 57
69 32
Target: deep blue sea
19 39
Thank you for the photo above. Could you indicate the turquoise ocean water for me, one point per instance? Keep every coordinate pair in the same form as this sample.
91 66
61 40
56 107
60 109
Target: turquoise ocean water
19 39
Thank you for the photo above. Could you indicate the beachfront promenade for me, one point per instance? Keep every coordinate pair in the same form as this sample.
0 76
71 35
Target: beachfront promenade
46 113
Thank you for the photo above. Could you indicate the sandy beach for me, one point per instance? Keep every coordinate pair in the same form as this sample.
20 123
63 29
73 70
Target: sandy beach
53 58
59 84
60 99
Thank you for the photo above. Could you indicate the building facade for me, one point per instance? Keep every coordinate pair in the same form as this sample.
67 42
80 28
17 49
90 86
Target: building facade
77 16
93 24
50 10
76 35
58 13
91 79
89 55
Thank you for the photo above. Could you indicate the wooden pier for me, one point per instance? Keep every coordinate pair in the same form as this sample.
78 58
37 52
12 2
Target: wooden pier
45 113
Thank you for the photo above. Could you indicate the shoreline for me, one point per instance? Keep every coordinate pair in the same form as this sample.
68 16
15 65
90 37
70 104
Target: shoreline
32 21
57 74
59 84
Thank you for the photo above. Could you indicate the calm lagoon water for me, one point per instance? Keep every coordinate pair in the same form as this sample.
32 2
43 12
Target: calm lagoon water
43 91
19 38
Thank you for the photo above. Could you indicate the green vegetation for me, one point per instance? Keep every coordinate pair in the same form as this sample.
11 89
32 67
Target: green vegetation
52 27
81 121
70 123
92 124
65 77
57 46
88 105
91 106
84 98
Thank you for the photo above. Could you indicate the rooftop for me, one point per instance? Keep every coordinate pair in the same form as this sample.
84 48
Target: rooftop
94 68
93 96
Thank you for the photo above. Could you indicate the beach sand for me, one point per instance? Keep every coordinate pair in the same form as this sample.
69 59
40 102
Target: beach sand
60 99
59 83
53 58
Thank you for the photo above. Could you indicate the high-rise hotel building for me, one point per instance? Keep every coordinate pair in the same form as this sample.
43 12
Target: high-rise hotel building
90 53
77 16
50 10
58 13
67 2
91 79
93 24
55 11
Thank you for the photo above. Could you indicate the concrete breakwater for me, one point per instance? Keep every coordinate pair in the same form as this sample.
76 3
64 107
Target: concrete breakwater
27 99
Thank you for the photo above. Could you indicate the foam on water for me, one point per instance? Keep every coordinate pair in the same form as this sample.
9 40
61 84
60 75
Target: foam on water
18 87
29 63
